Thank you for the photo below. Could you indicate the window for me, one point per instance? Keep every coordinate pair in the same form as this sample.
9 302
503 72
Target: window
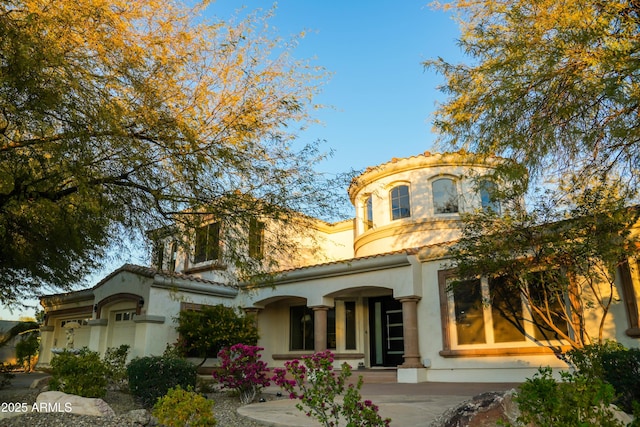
173 256
368 213
124 316
506 311
256 239
487 198
493 311
158 253
301 328
400 204
207 243
350 325
469 316
445 196
543 294
301 335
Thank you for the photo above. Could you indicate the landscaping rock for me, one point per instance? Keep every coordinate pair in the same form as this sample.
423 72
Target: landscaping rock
57 401
40 383
483 410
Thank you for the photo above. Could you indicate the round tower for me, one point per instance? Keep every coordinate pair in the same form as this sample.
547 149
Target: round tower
417 201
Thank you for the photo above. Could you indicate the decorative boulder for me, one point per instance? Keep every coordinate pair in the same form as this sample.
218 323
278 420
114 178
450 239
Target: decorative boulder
483 410
57 401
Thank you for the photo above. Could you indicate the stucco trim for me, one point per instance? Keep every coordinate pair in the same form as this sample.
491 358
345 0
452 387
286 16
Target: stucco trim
98 322
405 226
344 268
148 318
85 309
291 356
219 290
503 351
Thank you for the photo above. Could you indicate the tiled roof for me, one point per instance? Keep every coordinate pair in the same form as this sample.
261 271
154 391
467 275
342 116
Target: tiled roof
152 272
406 251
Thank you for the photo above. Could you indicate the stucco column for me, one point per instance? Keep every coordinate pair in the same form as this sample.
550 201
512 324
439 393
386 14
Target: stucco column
410 330
320 327
252 313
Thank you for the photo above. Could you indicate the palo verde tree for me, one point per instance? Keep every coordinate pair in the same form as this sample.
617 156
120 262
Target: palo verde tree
560 259
553 86
123 116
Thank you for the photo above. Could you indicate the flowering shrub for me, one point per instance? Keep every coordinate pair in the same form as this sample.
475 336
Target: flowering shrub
316 385
242 370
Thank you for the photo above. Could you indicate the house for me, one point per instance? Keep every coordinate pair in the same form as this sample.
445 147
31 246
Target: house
375 292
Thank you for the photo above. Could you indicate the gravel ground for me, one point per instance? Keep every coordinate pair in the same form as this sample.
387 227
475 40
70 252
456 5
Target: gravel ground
224 409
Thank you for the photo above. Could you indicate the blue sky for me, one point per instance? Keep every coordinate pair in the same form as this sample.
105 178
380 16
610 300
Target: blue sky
382 98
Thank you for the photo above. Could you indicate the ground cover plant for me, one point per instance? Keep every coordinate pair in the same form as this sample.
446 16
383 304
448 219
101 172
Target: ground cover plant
184 408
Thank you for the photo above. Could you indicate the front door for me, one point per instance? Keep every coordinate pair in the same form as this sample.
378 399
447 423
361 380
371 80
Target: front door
386 333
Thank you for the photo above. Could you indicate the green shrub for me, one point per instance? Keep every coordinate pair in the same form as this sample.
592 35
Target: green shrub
151 377
82 374
182 408
615 364
115 360
577 400
622 370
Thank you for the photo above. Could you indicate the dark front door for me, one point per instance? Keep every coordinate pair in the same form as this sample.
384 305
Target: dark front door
386 334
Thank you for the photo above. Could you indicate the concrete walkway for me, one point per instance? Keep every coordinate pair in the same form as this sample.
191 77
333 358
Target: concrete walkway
414 405
408 405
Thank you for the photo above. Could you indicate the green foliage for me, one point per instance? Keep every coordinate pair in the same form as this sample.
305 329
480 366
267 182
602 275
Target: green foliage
151 377
583 233
27 348
577 400
96 143
82 374
115 360
184 408
205 332
613 363
553 85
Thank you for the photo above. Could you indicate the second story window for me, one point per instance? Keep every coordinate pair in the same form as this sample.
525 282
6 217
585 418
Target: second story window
400 204
256 239
487 198
445 196
173 256
207 243
368 213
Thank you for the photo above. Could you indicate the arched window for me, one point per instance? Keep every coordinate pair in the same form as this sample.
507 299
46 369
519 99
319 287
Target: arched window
445 196
400 204
487 198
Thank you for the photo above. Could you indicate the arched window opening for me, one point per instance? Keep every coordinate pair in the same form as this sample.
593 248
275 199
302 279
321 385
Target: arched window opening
400 203
487 197
445 196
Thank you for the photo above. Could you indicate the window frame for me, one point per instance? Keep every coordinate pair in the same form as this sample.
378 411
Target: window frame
437 210
256 239
402 210
209 252
450 346
485 193
367 215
